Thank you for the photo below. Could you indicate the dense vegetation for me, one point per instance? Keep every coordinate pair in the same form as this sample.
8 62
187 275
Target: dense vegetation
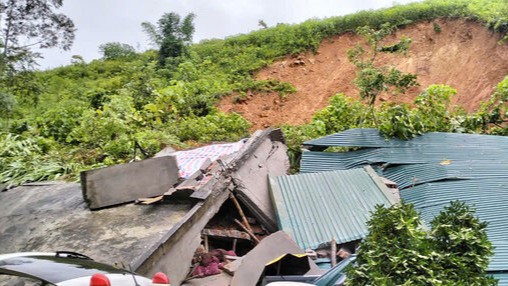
86 115
399 251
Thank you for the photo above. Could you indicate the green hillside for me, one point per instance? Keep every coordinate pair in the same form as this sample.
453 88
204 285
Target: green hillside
86 115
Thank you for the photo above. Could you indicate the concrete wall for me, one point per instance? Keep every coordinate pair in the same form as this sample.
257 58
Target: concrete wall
175 251
128 182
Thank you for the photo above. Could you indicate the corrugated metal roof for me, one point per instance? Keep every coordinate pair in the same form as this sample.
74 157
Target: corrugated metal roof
488 196
502 278
327 161
359 137
370 137
432 170
411 175
314 208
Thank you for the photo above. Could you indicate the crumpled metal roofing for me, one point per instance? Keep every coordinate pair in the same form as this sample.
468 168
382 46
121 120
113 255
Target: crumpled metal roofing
326 161
371 138
432 170
365 137
411 175
314 208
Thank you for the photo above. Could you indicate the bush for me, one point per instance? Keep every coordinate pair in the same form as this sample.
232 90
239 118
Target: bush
216 126
399 251
30 159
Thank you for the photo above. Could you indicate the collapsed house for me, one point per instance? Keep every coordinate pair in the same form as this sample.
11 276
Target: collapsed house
236 196
159 235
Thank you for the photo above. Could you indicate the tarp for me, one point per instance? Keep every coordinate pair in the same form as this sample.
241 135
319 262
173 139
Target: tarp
189 161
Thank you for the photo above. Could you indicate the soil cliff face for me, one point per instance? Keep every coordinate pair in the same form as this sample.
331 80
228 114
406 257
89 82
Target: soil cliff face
465 55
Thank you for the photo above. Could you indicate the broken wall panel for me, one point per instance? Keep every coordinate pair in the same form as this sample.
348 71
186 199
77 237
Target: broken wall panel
127 182
271 247
251 179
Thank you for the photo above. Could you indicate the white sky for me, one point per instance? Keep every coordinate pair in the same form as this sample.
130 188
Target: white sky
103 21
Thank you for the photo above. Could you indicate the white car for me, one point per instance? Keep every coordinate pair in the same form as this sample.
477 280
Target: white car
66 269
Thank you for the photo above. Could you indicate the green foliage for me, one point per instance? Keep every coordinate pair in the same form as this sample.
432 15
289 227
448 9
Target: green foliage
341 114
401 122
371 79
399 251
431 113
462 240
171 35
215 126
7 103
436 27
58 122
394 252
108 129
494 113
433 106
27 24
93 113
30 159
295 136
116 51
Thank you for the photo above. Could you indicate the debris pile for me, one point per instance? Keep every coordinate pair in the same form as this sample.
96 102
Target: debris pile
229 214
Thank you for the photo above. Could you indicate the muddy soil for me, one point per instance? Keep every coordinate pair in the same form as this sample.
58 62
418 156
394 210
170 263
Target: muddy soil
465 55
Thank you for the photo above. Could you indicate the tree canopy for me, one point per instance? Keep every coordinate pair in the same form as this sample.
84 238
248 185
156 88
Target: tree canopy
31 23
171 35
399 251
115 51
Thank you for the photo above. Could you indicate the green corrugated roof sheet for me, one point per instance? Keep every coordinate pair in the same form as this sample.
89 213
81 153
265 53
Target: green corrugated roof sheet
432 170
314 208
365 137
370 137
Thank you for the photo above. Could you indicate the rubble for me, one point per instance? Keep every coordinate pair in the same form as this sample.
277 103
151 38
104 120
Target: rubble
226 183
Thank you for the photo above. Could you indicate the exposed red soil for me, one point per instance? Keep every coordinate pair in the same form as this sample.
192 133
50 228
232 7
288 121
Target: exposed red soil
464 55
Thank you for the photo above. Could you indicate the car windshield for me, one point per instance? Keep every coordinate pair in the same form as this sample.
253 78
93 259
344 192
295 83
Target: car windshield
334 274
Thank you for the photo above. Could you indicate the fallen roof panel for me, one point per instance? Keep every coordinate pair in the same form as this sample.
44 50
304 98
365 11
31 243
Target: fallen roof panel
315 208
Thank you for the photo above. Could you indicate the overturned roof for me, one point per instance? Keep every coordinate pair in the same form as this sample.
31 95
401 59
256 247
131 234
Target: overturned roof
432 170
315 208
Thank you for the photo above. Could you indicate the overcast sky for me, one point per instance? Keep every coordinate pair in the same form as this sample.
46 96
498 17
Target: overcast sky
103 21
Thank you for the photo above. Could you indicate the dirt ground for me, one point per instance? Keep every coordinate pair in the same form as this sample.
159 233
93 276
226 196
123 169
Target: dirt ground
464 55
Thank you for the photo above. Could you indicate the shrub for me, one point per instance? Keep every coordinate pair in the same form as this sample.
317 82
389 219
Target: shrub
399 251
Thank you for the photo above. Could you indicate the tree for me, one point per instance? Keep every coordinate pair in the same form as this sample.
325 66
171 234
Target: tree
262 24
6 105
462 239
27 24
393 252
115 51
399 251
171 35
373 80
